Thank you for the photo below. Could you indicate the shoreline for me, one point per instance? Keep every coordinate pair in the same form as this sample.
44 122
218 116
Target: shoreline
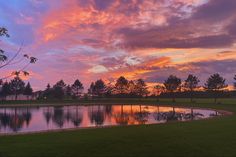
224 113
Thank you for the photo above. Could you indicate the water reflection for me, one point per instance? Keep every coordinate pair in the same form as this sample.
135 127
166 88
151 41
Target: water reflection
15 119
28 119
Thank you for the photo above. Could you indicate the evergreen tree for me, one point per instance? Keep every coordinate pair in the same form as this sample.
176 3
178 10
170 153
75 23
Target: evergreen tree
59 90
17 86
68 91
191 83
6 90
28 90
215 84
91 89
77 88
235 82
172 84
99 88
121 86
141 88
158 89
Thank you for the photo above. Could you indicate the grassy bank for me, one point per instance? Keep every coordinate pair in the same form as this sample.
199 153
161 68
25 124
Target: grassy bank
116 101
212 137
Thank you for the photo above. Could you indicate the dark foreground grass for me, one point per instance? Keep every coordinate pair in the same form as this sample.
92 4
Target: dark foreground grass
212 137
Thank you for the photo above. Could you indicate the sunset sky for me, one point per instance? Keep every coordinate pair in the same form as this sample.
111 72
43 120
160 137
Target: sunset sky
149 39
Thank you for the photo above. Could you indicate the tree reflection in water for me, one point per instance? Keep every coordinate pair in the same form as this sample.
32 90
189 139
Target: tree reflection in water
122 118
77 117
27 116
48 118
175 116
142 116
15 118
47 114
96 115
68 113
58 116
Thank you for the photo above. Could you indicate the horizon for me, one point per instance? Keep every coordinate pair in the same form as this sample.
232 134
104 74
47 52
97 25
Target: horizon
96 39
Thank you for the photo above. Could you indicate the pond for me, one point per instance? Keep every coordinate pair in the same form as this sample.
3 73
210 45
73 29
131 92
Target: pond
34 119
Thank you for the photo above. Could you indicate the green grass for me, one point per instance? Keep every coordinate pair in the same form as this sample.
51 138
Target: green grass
212 137
115 100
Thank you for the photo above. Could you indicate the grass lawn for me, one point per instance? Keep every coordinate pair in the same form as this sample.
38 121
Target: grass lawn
212 137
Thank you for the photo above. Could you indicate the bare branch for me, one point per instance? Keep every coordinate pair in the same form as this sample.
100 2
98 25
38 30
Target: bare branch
12 59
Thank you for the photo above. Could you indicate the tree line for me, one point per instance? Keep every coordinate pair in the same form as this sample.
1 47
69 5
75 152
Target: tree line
172 87
122 87
15 87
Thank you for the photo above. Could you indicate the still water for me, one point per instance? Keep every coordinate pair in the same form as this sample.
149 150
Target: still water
33 119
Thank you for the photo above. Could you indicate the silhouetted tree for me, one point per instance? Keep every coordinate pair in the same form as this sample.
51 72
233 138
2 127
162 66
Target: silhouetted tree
6 90
99 88
91 89
59 89
191 83
68 91
158 89
77 88
172 84
17 86
109 89
121 86
235 82
131 88
28 90
47 92
141 88
7 61
3 32
215 83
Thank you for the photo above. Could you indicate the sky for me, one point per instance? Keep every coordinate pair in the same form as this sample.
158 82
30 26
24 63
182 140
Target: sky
93 39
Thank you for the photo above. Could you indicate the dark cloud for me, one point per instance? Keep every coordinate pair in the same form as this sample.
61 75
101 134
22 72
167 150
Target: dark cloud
142 40
196 31
93 42
215 10
111 62
232 28
103 4
202 69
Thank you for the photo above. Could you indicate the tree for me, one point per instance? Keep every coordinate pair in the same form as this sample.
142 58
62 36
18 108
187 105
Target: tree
68 91
17 86
109 89
28 90
77 88
172 84
131 88
215 83
191 83
121 86
141 88
5 89
235 82
91 89
3 32
59 90
99 88
14 59
47 93
158 89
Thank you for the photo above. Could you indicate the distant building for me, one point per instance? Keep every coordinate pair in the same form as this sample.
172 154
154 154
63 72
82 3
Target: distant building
21 97
34 96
